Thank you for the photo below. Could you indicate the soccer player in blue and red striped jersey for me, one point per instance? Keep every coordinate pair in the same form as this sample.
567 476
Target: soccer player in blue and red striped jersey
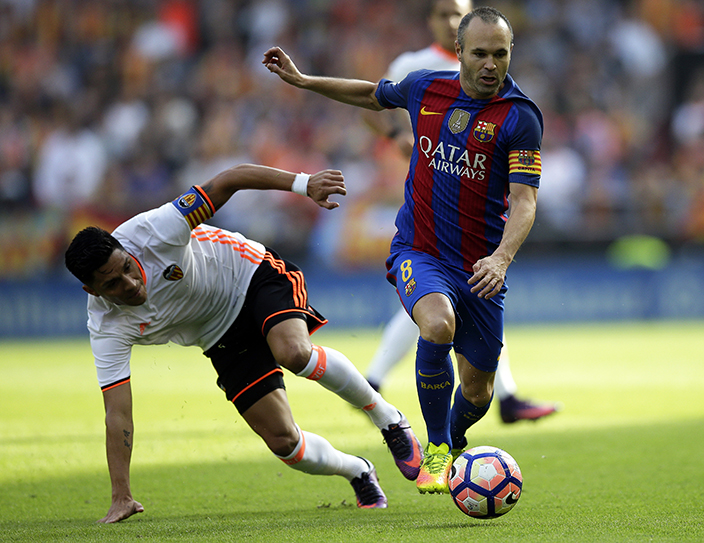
476 155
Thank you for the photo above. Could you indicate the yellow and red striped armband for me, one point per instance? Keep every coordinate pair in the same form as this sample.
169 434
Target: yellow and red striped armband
525 161
195 206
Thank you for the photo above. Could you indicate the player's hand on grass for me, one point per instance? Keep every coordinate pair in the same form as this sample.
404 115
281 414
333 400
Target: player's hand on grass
323 184
489 276
278 62
122 509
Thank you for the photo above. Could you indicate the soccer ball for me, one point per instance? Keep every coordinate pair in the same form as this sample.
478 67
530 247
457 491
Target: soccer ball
485 482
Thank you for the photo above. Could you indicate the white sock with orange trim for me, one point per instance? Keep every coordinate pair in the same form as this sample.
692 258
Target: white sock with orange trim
314 455
338 374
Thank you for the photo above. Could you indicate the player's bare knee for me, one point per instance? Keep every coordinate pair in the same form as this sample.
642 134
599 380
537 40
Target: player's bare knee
438 330
283 443
294 356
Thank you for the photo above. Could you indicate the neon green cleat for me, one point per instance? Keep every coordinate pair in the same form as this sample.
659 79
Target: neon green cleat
435 470
459 450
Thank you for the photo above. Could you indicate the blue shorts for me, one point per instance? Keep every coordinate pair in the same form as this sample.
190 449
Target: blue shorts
479 322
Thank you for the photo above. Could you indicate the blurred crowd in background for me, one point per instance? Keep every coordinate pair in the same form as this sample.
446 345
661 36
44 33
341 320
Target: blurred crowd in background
110 108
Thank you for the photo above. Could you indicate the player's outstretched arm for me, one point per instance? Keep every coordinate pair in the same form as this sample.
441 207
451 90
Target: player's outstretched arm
355 92
320 186
119 431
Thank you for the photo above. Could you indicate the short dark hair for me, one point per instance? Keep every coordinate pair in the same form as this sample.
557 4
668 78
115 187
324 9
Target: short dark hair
485 13
90 249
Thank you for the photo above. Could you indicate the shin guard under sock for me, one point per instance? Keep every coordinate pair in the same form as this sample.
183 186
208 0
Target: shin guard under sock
435 381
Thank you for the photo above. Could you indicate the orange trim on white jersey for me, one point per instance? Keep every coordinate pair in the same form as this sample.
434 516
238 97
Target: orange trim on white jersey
449 55
141 269
218 235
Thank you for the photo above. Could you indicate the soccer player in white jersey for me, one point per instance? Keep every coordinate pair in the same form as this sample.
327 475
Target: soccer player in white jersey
164 276
401 333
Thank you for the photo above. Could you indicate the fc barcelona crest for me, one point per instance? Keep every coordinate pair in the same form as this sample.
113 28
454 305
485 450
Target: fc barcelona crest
484 131
410 287
173 273
527 158
458 121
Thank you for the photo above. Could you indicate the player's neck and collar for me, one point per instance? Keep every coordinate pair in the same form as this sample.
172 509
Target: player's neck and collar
508 88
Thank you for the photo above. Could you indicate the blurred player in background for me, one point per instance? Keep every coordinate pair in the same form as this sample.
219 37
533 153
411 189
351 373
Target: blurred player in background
163 276
401 334
476 150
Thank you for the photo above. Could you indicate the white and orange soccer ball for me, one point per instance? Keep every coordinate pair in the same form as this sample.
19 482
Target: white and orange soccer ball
485 482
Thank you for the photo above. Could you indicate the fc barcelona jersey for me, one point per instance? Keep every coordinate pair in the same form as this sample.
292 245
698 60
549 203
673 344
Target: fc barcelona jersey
465 155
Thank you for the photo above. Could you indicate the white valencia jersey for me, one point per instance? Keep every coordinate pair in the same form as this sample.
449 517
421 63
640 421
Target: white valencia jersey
196 278
433 58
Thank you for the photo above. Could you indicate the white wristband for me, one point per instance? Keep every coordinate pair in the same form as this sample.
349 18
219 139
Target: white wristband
300 184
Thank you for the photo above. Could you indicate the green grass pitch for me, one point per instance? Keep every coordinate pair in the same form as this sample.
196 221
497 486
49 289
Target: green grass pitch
621 462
